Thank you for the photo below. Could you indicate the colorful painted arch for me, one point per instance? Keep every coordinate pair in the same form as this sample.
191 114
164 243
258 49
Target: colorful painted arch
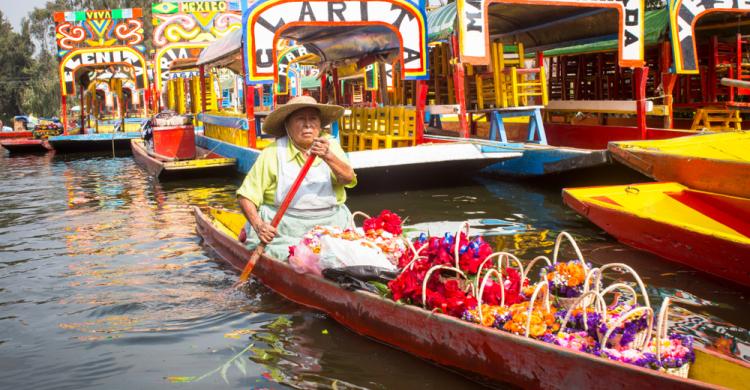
289 56
683 15
267 21
101 57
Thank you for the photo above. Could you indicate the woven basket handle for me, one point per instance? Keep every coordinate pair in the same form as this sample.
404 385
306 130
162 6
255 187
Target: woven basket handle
416 253
541 286
556 251
352 222
500 257
465 227
638 310
427 278
661 326
629 270
598 300
481 291
621 286
531 264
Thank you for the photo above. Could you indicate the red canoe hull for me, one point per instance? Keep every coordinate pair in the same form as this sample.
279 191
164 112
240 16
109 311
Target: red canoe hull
24 145
721 258
498 356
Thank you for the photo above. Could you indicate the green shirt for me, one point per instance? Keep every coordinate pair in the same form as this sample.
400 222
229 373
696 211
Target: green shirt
260 183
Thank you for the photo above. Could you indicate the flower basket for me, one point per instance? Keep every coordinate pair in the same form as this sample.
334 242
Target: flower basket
674 353
533 319
567 280
640 337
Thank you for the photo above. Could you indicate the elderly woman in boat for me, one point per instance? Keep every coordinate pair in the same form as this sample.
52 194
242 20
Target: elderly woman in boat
320 199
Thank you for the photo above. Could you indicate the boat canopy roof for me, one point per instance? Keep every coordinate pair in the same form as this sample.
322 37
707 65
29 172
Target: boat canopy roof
441 22
224 52
656 30
309 82
559 30
335 44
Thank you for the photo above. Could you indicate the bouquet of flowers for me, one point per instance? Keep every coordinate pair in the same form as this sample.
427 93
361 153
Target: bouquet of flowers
491 316
305 256
578 341
380 240
674 352
536 322
385 232
626 323
566 280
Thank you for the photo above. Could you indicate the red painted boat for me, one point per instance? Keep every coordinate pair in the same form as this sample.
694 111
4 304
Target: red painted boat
498 356
703 230
209 165
25 145
15 134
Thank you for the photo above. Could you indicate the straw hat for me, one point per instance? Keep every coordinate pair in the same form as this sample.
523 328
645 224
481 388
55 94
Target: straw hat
274 123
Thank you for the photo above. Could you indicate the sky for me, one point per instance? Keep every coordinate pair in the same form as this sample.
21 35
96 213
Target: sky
15 10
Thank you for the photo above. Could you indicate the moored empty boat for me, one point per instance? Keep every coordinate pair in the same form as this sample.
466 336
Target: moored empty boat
206 163
24 145
490 353
706 231
709 162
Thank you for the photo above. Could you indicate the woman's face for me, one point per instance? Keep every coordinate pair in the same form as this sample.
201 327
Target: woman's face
303 126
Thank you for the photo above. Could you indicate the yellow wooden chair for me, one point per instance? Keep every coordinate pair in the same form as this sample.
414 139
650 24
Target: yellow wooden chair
345 131
363 128
352 137
377 121
402 128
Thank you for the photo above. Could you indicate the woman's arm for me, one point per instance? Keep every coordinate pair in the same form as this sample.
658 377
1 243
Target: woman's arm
265 231
341 169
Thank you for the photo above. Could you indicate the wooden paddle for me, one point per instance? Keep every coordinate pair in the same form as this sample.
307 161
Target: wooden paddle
258 252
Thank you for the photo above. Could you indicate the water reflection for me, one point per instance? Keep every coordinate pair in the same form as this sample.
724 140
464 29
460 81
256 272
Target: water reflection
103 283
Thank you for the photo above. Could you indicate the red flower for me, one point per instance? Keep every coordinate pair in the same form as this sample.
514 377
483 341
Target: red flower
387 220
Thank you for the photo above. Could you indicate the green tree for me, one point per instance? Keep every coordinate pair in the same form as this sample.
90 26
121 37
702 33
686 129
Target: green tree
42 96
15 51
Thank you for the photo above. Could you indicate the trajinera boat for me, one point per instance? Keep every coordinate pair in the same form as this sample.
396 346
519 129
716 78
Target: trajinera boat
470 348
205 164
709 162
706 231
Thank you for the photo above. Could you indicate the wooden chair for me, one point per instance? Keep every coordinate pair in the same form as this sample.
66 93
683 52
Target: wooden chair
378 123
717 119
346 131
402 128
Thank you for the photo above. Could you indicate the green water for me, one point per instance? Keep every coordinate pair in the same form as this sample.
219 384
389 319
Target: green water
104 284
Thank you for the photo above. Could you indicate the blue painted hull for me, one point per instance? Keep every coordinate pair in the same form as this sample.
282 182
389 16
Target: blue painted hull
547 161
92 142
245 156
536 160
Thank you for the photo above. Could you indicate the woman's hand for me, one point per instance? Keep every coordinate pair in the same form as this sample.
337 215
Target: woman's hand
321 147
266 232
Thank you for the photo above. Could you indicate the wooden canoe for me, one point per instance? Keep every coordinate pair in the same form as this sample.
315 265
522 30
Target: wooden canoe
706 231
499 356
209 166
24 145
717 163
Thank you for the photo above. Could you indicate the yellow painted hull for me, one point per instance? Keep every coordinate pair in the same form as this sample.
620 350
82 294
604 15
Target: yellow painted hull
707 231
717 163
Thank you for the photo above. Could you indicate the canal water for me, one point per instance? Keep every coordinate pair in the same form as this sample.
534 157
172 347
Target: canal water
104 283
